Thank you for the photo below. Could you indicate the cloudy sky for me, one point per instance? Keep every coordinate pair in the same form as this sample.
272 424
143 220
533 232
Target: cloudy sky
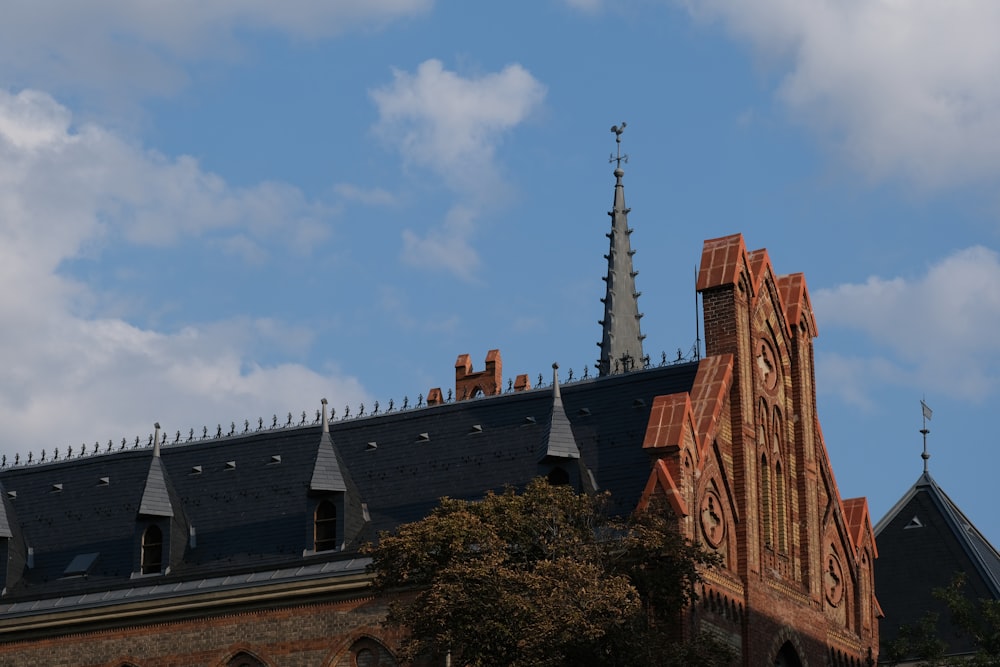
219 211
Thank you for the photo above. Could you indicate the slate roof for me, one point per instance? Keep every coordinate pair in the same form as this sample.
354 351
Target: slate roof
247 497
923 541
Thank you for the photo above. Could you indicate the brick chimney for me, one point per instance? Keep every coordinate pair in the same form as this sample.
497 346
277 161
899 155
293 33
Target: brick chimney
488 382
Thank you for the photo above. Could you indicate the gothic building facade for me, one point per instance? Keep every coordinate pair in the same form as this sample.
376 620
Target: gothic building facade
242 548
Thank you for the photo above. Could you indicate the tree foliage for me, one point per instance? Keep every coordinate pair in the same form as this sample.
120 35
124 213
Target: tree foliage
543 579
979 620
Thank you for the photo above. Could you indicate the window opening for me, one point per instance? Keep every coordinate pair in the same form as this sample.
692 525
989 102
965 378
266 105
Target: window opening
782 510
558 477
326 526
765 493
152 550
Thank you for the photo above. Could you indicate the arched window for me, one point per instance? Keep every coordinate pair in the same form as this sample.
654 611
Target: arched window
326 526
765 501
152 550
368 653
244 659
782 509
558 477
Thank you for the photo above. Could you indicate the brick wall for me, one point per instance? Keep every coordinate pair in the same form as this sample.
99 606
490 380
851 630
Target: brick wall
314 635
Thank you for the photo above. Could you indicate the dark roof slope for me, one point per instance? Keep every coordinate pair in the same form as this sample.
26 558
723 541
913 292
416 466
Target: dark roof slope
246 497
923 541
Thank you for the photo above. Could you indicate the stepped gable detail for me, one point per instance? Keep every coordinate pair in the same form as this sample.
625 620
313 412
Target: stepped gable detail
740 458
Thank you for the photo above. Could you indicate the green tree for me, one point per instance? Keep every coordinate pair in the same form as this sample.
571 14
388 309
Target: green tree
544 578
977 619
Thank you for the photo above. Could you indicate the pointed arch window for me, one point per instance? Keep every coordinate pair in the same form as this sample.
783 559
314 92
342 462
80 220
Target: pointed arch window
325 534
782 509
765 501
152 550
244 659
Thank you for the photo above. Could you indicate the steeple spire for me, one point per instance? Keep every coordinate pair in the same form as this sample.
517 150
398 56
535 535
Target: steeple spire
621 345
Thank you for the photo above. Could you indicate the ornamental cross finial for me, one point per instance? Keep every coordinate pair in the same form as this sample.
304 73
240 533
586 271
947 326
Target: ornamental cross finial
619 158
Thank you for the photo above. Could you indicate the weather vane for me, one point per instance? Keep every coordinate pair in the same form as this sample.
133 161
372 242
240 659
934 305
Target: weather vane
619 158
927 413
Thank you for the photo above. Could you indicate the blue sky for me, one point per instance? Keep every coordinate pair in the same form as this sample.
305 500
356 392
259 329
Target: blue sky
219 211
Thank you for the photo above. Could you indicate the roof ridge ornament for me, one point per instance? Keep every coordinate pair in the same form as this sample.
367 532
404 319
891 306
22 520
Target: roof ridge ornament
927 414
326 422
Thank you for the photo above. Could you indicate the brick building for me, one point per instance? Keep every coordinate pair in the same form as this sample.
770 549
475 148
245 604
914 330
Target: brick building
240 548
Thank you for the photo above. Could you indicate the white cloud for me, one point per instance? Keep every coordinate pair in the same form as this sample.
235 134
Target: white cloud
70 375
368 196
445 248
936 331
87 180
126 47
905 89
452 125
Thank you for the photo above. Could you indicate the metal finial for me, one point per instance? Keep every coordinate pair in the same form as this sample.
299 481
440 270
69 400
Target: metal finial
927 414
619 158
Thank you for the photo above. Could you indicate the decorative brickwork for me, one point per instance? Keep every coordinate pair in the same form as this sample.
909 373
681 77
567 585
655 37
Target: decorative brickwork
317 635
487 382
798 560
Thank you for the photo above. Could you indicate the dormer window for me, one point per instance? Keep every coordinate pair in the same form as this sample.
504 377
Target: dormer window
152 550
325 526
558 477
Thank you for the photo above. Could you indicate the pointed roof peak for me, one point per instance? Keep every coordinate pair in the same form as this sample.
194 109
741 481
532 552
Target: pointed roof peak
328 470
156 493
559 441
621 342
